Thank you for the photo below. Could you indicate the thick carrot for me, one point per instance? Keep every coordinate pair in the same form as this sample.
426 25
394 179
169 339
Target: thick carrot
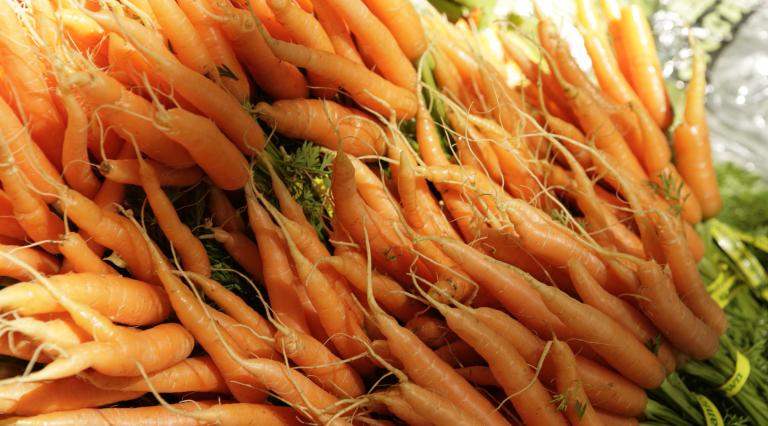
436 408
104 293
191 413
604 387
42 174
71 393
402 20
326 123
251 342
395 404
37 259
378 41
693 156
279 79
336 30
365 87
685 274
424 368
459 354
644 69
527 394
211 150
194 374
187 44
305 29
319 363
204 94
220 50
578 409
631 358
81 257
662 305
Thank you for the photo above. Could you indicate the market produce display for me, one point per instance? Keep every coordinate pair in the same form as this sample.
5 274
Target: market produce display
282 212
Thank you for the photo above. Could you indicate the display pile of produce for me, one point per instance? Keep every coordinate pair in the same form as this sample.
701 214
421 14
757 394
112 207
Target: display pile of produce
281 212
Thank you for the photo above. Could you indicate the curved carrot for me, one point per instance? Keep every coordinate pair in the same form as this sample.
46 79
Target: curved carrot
194 374
211 150
104 293
662 305
187 44
279 79
364 86
305 29
76 166
82 258
126 171
204 94
337 31
193 255
403 21
578 408
632 358
326 123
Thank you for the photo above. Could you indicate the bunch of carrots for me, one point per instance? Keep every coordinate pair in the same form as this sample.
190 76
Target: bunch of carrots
494 253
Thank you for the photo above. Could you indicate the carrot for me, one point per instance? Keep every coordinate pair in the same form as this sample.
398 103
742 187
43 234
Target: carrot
326 123
194 315
478 375
182 414
244 251
604 387
632 359
194 257
621 311
267 17
126 171
527 394
644 69
40 261
366 88
685 274
424 368
204 94
76 251
351 265
578 409
305 29
278 79
394 402
378 41
336 30
250 342
436 408
104 293
691 143
29 209
35 166
319 363
402 20
279 278
676 192
26 71
432 331
662 305
75 163
459 354
609 419
223 214
194 374
129 115
187 44
154 349
71 393
221 52
233 305
212 151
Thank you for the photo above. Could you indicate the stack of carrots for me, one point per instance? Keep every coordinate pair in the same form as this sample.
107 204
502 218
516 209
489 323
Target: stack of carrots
496 253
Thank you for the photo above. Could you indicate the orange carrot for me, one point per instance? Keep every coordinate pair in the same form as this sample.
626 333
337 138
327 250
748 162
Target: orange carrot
402 20
578 409
337 31
126 171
